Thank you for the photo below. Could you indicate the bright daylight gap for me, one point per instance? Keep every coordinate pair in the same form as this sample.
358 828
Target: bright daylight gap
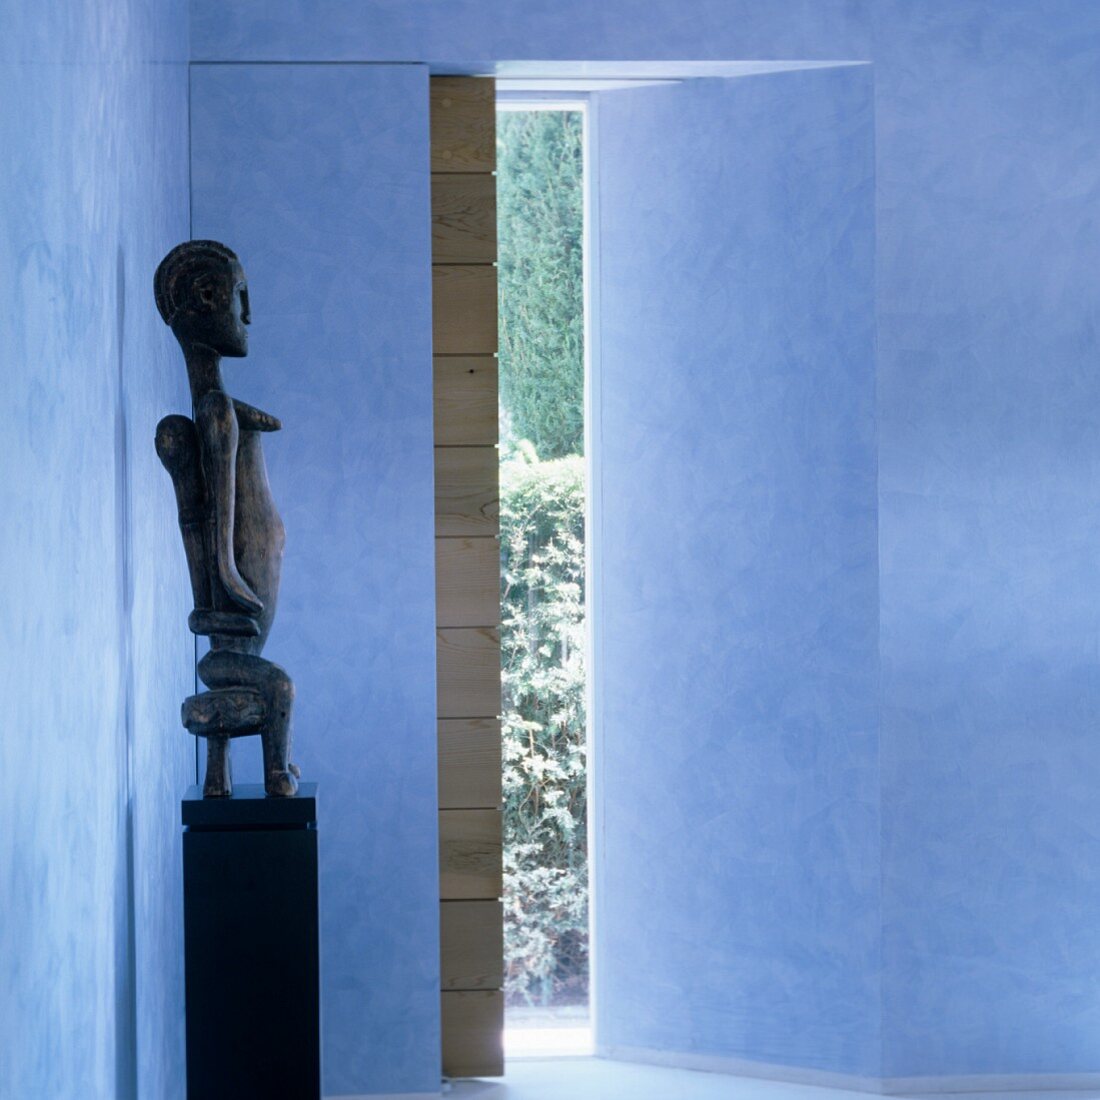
541 239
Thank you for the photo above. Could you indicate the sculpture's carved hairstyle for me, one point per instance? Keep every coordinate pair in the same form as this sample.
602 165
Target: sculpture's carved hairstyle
179 273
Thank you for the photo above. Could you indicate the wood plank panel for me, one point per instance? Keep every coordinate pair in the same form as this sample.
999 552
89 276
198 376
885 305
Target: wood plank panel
470 934
467 491
465 399
464 309
463 124
465 394
468 672
467 582
469 764
464 219
473 1033
470 854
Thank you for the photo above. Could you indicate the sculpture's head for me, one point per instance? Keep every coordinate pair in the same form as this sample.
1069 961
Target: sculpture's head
203 297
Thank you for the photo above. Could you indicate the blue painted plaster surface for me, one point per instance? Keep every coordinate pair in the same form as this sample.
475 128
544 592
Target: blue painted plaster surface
96 653
986 198
739 857
473 34
318 177
986 193
989 381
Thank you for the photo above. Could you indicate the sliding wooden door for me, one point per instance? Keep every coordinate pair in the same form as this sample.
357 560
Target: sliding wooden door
464 329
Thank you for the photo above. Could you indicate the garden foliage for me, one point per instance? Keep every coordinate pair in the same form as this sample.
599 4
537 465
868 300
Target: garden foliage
545 819
540 215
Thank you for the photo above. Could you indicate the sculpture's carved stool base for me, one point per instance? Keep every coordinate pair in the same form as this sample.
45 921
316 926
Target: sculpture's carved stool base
227 712
248 695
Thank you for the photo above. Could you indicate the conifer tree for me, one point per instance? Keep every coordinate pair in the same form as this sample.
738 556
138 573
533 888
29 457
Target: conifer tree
540 214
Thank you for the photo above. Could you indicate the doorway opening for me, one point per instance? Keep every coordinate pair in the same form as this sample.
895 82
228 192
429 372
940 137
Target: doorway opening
543 504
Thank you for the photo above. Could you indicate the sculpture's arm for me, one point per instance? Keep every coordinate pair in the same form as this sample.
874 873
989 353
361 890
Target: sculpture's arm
177 444
256 420
216 420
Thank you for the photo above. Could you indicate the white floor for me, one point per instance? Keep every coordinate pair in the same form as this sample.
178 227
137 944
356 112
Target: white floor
596 1079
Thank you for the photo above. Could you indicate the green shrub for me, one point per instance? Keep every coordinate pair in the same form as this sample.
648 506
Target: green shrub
545 811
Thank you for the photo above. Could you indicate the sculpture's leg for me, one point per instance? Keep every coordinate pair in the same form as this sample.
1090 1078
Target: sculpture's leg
219 782
228 668
279 779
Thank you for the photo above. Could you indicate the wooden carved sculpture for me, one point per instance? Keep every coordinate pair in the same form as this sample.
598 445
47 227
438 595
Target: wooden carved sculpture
232 534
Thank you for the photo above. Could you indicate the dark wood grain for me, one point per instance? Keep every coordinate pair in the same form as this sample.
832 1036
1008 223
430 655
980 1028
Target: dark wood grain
464 219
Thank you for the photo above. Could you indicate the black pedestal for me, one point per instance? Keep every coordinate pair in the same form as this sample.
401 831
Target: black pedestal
250 935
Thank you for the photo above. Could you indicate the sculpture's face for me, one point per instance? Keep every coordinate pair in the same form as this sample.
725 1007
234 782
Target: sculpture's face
239 316
217 315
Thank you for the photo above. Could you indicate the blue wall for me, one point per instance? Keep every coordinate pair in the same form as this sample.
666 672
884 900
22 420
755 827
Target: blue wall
989 239
986 193
318 177
478 33
736 571
96 653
